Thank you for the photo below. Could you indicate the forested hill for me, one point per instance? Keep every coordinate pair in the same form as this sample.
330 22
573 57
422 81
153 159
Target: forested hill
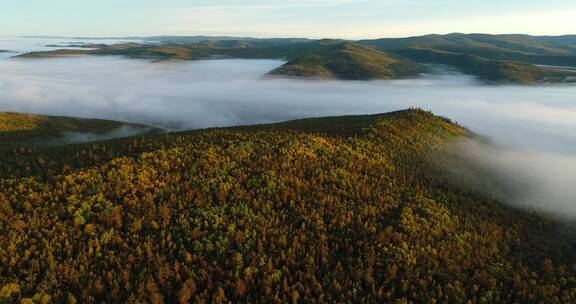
506 47
328 210
21 129
520 59
351 62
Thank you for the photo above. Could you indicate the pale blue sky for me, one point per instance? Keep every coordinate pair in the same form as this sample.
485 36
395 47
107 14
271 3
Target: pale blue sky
282 18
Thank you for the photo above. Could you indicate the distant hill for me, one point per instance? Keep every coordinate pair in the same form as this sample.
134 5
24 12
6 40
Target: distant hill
483 44
55 53
491 70
350 62
354 209
174 51
29 129
493 58
223 41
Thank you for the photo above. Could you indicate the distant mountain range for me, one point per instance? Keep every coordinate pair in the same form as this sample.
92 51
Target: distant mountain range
520 59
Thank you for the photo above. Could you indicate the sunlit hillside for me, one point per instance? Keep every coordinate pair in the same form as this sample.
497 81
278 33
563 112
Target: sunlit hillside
342 209
349 61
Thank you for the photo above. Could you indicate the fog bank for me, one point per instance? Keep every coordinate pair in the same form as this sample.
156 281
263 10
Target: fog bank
537 180
86 137
210 93
535 125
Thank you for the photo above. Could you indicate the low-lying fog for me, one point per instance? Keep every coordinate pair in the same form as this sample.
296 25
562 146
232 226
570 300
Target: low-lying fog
535 126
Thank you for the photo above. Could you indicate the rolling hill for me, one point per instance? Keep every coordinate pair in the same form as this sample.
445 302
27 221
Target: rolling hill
229 42
29 129
349 62
55 53
332 210
491 46
176 51
491 70
494 58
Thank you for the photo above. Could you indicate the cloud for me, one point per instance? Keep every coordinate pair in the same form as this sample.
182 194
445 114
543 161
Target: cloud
225 92
82 137
527 178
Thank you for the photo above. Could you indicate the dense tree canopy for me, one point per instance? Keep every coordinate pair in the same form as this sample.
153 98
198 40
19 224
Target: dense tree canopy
310 211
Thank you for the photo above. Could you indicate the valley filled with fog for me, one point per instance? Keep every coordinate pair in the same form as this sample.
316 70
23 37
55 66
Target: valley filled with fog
533 127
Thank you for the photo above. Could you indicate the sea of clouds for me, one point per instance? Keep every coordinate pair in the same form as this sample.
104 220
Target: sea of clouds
533 129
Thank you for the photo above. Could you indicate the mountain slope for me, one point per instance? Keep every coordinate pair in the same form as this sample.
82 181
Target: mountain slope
350 62
495 58
335 210
493 71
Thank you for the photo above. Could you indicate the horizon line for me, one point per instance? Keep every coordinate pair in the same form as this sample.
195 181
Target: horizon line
275 37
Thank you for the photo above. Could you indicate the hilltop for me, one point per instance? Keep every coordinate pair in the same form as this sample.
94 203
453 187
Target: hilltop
335 210
350 62
30 129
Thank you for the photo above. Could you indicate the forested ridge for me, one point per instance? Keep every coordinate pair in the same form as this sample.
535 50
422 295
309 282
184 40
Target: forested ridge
329 210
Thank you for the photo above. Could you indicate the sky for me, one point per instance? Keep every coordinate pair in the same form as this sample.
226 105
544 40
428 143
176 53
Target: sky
349 19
